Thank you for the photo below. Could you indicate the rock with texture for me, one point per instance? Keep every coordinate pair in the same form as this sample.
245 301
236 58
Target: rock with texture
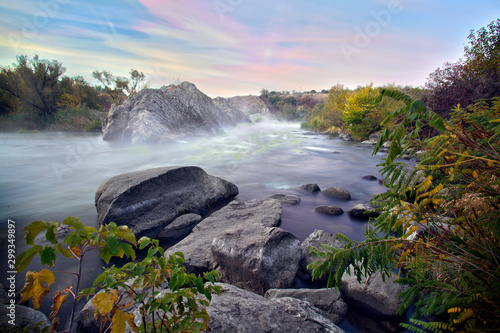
311 188
286 199
251 107
257 258
329 301
147 201
338 193
362 211
197 245
329 210
22 316
180 227
171 112
315 239
372 294
238 310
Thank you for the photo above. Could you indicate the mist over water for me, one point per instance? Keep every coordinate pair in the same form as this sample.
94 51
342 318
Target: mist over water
51 175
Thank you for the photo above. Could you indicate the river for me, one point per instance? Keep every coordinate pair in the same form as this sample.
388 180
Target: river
51 175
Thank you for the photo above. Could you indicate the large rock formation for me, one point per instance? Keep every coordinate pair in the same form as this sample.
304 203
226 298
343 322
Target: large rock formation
147 201
171 112
197 245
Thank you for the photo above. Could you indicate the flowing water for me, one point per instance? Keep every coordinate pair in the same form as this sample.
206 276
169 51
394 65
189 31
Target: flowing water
51 175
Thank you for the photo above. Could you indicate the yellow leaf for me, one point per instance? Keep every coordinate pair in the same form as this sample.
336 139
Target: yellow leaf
37 286
118 323
58 300
474 173
76 251
104 302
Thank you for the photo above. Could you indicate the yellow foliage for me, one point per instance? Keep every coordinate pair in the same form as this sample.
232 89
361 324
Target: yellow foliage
37 286
58 300
104 302
119 321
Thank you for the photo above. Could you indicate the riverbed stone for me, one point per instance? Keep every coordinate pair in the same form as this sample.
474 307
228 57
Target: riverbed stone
197 245
239 310
369 177
180 227
149 200
373 294
23 317
329 301
286 199
329 210
338 193
257 258
311 188
315 239
362 211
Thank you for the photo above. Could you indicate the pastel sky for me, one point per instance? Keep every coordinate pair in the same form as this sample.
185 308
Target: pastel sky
238 47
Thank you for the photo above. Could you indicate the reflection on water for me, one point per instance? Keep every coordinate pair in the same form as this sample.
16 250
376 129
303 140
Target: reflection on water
51 175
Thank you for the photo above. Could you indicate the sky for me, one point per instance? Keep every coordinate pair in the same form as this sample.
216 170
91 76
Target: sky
238 47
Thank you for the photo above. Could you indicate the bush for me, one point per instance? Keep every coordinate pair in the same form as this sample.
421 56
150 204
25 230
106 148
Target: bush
75 119
446 241
180 308
94 126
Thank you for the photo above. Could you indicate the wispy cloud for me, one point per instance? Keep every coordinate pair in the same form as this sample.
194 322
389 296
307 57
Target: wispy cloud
245 45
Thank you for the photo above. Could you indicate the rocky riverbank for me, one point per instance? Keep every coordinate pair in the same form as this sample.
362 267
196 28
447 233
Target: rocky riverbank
260 263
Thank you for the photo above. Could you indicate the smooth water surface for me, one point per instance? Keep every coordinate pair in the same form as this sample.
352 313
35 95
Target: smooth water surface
51 175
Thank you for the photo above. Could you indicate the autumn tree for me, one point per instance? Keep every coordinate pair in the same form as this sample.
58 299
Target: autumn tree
466 81
32 84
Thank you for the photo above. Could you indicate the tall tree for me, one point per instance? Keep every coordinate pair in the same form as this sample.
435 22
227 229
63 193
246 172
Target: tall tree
34 83
466 81
120 87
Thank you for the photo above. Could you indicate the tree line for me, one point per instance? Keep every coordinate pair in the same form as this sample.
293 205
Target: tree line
475 77
35 93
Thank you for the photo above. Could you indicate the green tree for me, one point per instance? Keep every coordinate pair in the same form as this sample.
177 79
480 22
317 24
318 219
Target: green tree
466 81
34 83
119 88
482 53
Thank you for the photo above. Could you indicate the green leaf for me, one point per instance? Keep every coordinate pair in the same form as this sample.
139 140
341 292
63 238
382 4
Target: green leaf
48 256
73 222
200 287
125 233
143 242
113 244
63 251
33 229
51 234
129 251
105 254
24 258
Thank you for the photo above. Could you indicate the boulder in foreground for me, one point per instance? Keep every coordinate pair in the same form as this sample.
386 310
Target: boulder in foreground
197 245
149 200
257 258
